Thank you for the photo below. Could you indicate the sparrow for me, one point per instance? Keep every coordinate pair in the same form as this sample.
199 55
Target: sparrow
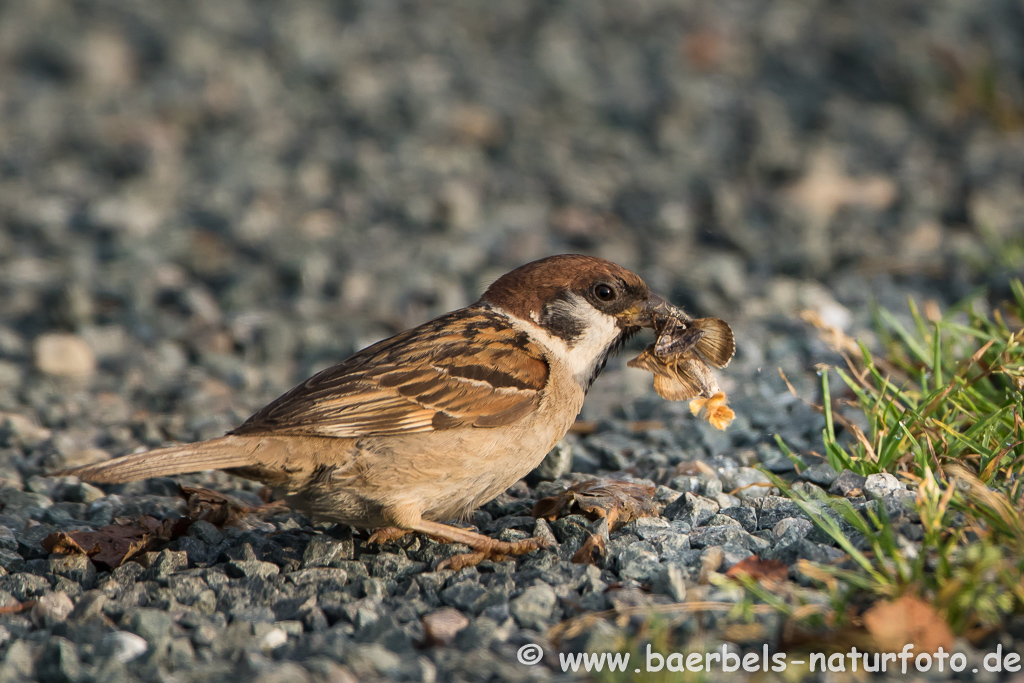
428 425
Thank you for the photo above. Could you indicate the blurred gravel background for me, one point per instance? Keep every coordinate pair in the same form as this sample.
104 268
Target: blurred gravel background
201 203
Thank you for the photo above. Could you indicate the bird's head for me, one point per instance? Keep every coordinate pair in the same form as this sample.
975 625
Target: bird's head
588 307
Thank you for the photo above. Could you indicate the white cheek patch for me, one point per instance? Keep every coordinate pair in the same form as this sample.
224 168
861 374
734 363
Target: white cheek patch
583 354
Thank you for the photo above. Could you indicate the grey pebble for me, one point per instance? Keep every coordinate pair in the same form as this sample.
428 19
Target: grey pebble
846 483
533 607
821 474
877 486
123 646
692 509
747 482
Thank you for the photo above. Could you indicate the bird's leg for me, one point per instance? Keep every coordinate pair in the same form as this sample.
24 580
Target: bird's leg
387 534
485 548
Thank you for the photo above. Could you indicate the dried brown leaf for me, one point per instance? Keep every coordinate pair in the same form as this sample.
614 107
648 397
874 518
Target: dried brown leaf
759 570
115 544
212 506
61 543
619 501
592 551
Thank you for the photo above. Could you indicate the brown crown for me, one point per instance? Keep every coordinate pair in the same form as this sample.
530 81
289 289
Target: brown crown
529 287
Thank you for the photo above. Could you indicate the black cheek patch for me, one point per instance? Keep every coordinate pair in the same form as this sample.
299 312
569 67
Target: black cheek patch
559 321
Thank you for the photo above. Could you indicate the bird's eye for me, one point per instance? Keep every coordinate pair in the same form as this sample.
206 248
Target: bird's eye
604 292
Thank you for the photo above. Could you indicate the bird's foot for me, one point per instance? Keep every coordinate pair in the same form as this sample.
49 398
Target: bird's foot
498 552
387 534
484 547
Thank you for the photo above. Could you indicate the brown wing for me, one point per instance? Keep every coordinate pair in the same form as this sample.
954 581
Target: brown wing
676 379
467 368
717 346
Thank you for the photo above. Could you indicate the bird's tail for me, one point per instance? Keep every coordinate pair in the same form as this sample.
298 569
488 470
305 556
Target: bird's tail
215 454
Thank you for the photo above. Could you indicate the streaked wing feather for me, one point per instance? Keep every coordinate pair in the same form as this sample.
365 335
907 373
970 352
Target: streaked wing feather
469 367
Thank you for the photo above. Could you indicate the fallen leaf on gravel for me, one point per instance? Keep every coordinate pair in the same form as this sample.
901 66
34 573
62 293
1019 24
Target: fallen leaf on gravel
220 510
619 501
212 507
591 552
114 544
63 544
908 619
758 569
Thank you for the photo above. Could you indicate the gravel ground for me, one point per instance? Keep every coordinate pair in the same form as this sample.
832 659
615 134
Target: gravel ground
201 203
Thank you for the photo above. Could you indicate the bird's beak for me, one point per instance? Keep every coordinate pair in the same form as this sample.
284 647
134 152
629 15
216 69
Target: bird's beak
649 312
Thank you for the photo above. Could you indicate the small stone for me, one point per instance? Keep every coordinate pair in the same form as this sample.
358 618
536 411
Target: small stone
272 639
78 568
467 596
89 607
64 355
7 539
123 646
685 484
324 551
710 485
18 662
777 463
167 562
205 532
721 535
725 500
790 530
50 609
638 561
747 482
10 561
152 624
692 509
648 528
59 662
671 580
847 484
664 495
742 514
24 586
821 474
83 492
878 486
723 520
733 555
13 499
532 609
246 565
20 430
771 509
441 626
322 576
394 566
557 463
672 546
571 527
